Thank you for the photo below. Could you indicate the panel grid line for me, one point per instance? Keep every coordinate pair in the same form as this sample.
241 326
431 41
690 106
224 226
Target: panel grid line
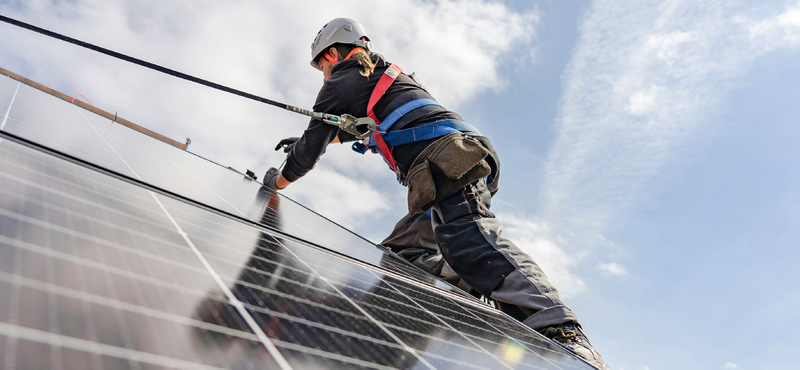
55 254
58 340
496 330
393 274
429 288
409 317
322 268
321 326
432 337
209 189
233 301
52 315
297 299
113 303
5 118
9 357
523 345
334 356
447 324
363 311
109 144
97 240
179 319
82 261
73 197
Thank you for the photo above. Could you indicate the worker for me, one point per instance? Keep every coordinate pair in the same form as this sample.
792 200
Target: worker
450 169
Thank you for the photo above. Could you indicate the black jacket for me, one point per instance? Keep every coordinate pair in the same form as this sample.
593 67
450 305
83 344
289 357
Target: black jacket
347 91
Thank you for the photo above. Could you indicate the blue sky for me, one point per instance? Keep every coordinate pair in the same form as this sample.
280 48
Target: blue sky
649 148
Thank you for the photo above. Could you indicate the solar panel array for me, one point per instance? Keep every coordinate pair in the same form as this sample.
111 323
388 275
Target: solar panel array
120 251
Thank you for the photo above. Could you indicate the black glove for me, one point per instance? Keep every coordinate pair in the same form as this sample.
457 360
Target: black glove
271 178
287 144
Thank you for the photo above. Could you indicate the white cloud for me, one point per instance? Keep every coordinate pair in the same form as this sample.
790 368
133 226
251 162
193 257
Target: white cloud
613 268
545 247
457 47
668 46
329 192
640 94
730 365
779 31
644 102
446 41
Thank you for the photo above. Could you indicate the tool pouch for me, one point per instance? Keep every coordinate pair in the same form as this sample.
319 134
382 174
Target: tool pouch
421 188
445 166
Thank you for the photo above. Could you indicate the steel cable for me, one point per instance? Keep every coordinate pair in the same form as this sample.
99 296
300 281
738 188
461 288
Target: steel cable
157 67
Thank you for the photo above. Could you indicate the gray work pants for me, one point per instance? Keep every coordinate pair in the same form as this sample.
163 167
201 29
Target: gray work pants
413 240
470 239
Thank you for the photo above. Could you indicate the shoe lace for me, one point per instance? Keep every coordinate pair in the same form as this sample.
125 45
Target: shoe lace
559 334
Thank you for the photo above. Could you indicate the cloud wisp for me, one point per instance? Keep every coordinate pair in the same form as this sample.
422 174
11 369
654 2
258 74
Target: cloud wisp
613 268
641 94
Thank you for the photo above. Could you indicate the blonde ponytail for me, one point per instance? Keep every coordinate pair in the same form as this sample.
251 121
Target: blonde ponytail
366 63
361 56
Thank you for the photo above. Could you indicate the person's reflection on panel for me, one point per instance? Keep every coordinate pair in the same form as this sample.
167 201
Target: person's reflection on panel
218 311
290 302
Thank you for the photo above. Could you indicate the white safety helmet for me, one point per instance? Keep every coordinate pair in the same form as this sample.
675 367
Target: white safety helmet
338 31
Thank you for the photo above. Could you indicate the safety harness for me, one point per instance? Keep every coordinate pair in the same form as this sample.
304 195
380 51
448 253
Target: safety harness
385 140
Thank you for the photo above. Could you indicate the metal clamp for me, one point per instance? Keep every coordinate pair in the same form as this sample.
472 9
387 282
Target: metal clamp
359 127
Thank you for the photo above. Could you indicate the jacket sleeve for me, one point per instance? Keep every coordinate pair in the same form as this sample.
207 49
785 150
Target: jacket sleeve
317 136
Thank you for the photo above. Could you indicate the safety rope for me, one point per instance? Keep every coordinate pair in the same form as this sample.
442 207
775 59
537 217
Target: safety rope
159 68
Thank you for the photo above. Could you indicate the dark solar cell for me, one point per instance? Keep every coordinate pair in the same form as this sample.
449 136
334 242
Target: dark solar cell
102 272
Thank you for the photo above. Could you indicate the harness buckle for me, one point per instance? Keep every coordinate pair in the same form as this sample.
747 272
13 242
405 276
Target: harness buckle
359 127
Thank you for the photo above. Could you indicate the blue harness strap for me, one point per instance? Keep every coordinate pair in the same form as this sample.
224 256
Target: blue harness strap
398 113
427 132
411 135
414 134
419 133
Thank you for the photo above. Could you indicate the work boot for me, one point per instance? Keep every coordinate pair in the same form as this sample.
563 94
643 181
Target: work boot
572 337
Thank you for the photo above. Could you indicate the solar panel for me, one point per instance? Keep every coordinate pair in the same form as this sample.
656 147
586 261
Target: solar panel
118 250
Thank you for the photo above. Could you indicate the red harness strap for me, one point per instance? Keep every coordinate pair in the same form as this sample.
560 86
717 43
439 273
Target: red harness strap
383 84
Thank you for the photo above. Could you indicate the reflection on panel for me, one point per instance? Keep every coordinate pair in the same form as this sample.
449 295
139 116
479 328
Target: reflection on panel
8 88
305 296
92 275
57 124
511 341
52 122
294 305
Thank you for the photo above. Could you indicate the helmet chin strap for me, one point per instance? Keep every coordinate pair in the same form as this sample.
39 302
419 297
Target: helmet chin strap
334 61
